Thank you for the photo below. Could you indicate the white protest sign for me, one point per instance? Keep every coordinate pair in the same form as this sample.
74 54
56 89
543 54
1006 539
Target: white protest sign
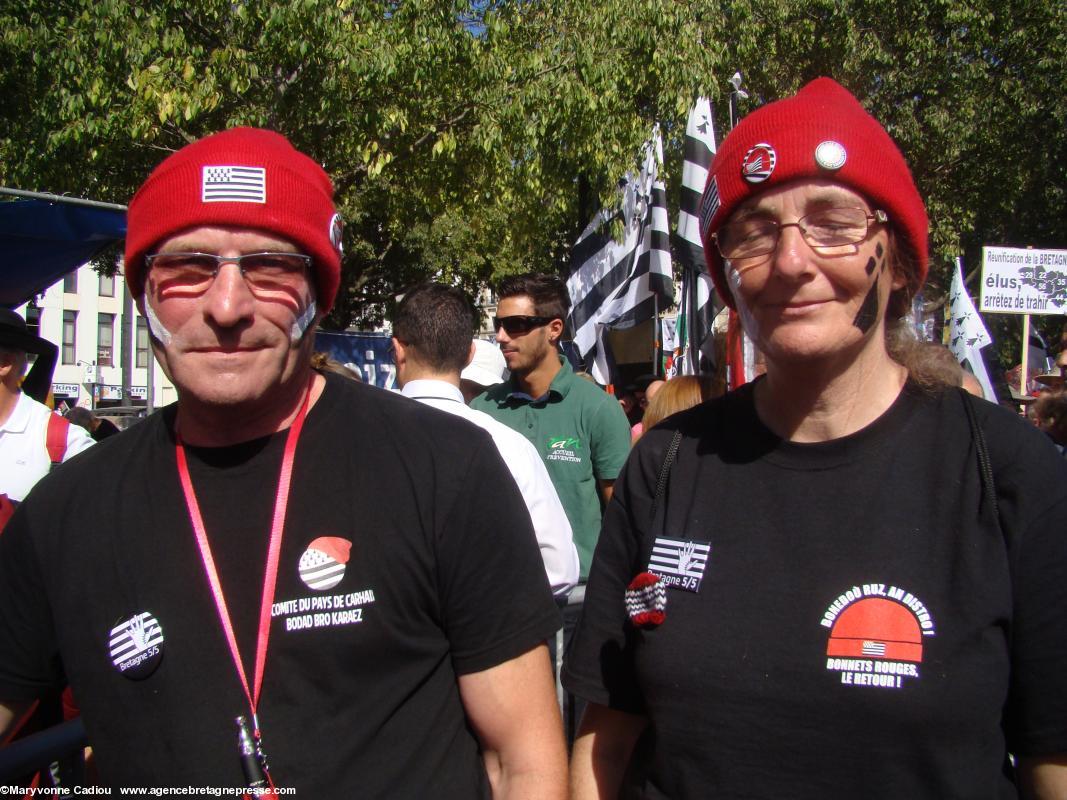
1024 281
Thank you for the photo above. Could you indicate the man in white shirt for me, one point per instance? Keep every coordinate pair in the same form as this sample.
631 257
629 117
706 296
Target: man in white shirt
432 344
24 457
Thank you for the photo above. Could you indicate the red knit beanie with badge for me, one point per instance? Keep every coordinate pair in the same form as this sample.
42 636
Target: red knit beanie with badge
821 132
243 177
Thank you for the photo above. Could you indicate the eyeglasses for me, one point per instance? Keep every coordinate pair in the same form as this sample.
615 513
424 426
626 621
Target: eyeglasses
828 227
263 272
520 323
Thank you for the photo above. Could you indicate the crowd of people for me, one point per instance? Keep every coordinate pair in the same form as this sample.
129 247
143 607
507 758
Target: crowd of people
847 578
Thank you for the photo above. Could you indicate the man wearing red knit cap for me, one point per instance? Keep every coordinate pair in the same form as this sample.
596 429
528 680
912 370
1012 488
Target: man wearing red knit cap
284 580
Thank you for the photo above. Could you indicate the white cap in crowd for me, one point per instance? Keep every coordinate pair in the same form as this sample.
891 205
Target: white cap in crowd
488 367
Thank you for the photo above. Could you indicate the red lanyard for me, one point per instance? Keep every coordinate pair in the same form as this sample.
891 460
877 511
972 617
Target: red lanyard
270 575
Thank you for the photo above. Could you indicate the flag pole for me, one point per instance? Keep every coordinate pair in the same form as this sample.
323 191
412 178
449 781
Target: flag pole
656 331
1024 366
693 322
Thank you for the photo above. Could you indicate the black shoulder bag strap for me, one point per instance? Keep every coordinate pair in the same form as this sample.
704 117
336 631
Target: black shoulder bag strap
665 472
985 468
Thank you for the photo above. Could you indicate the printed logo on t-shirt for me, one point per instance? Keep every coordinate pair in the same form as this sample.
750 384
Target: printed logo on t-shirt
136 645
876 635
322 566
679 563
564 448
323 610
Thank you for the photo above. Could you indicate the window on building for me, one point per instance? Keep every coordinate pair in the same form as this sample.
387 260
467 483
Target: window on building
142 342
107 286
70 321
70 283
33 325
105 339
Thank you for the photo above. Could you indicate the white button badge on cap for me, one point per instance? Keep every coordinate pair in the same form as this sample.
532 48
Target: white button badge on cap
830 155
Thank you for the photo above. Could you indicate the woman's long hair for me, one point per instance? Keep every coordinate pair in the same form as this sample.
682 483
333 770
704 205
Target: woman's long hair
676 395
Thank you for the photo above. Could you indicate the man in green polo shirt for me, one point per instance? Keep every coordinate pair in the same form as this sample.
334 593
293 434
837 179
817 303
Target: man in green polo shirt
578 429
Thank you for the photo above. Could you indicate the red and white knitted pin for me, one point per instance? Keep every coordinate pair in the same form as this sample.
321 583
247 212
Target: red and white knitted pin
646 600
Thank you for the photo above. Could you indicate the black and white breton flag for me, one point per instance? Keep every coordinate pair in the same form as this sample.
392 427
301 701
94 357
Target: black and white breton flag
873 648
616 284
698 304
234 185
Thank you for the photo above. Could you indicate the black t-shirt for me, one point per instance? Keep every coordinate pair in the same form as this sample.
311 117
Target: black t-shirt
843 619
407 560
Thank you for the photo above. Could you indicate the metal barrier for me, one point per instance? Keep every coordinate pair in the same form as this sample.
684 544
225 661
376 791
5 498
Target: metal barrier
62 743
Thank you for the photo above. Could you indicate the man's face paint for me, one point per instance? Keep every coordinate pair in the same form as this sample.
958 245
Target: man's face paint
867 317
155 326
296 333
302 323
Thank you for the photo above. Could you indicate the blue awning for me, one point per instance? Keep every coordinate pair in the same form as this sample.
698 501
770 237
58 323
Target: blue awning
42 241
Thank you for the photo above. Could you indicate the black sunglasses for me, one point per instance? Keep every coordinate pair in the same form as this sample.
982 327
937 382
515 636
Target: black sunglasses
520 323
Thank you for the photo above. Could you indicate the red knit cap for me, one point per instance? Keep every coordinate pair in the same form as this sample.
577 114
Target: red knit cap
821 132
248 178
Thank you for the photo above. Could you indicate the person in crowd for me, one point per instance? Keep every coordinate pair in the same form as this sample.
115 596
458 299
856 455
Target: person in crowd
647 387
677 394
579 430
37 384
323 362
650 391
486 368
937 363
837 580
98 427
1050 412
432 346
27 426
284 579
630 401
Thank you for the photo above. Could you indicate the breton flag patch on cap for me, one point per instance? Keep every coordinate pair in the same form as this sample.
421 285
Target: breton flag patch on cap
234 185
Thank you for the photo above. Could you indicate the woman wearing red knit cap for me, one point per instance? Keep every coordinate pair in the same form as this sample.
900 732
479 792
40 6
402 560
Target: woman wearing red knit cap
842 580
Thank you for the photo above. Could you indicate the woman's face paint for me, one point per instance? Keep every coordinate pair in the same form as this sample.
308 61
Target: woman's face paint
744 313
867 316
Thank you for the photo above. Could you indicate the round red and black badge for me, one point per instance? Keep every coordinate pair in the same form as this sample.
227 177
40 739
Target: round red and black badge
136 645
322 565
336 229
646 600
758 163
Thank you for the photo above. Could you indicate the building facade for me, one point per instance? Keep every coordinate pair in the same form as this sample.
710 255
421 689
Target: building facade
89 318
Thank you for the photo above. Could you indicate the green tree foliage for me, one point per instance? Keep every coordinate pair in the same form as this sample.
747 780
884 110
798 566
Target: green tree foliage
474 138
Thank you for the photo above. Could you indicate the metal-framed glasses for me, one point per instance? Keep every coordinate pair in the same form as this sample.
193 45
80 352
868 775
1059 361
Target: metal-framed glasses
264 272
520 323
827 227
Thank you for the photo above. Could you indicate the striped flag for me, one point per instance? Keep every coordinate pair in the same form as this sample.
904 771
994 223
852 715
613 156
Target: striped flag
967 334
699 303
617 284
871 648
234 185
